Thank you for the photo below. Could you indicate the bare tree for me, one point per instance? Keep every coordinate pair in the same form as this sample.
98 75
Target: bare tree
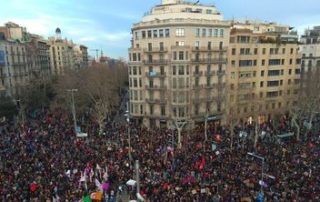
98 90
100 85
308 104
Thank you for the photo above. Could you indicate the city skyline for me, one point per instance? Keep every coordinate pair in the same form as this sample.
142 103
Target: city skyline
107 26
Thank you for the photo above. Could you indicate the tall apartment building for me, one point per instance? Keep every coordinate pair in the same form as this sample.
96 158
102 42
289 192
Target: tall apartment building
263 70
310 51
61 54
80 56
16 70
65 55
84 53
177 64
17 65
40 50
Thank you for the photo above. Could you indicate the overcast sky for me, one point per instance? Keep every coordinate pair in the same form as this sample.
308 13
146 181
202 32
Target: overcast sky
106 24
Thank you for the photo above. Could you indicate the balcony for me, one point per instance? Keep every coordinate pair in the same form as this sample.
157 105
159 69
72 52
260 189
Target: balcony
161 101
157 116
180 47
197 87
203 99
210 73
221 73
155 75
155 62
155 87
134 49
208 86
207 49
210 61
155 50
134 62
197 73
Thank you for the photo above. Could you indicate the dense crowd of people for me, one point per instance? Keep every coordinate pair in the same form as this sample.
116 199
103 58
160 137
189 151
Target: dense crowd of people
43 160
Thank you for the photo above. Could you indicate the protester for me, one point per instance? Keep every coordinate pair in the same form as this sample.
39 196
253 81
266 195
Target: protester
43 160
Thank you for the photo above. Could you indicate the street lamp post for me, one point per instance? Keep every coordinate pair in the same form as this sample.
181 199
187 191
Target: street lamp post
137 176
73 108
206 127
129 134
262 168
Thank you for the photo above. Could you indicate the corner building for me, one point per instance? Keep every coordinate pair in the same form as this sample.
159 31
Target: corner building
177 64
263 71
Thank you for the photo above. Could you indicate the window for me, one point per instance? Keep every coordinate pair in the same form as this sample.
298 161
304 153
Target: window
233 51
163 110
149 46
151 83
151 109
149 34
161 33
272 94
155 33
208 11
181 55
272 83
221 32
283 50
180 32
162 70
263 51
246 63
134 70
180 43
261 83
208 69
273 72
136 35
204 32
174 70
263 62
233 63
161 46
290 71
174 55
181 70
274 62
167 32
198 32
216 32
135 83
256 51
208 81
210 33
196 81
